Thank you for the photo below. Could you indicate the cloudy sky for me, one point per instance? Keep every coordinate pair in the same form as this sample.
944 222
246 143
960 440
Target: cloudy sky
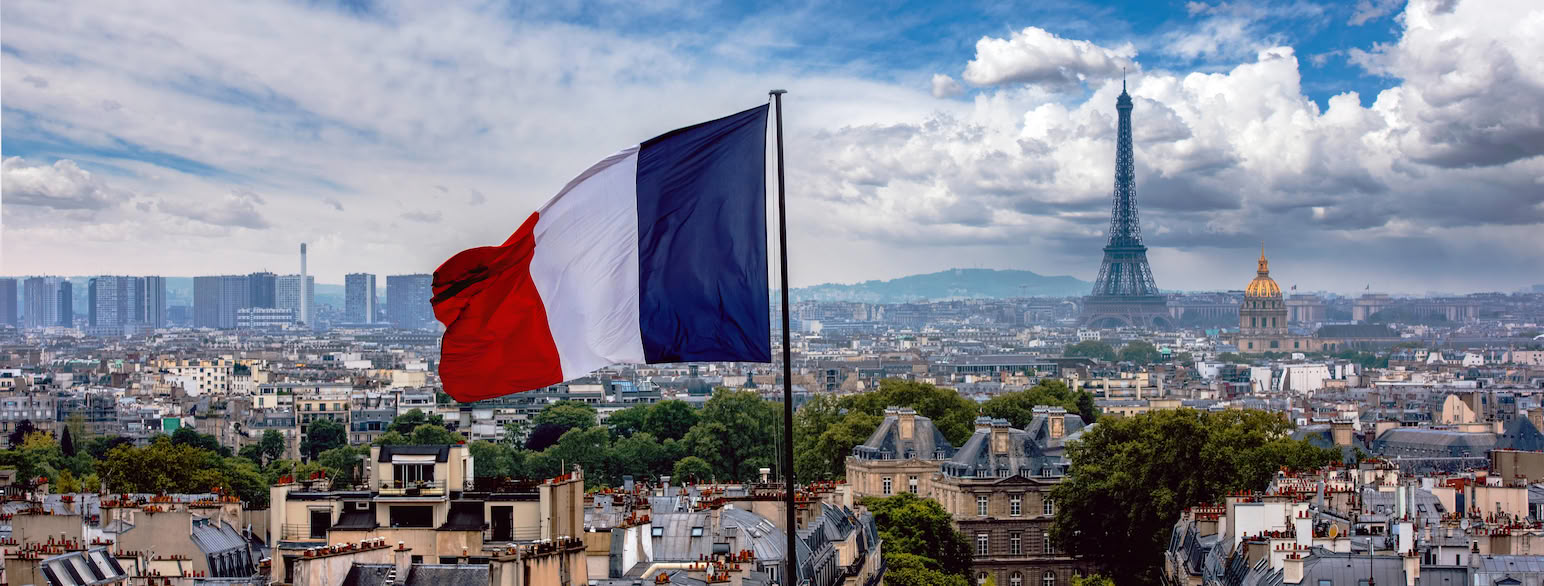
1367 143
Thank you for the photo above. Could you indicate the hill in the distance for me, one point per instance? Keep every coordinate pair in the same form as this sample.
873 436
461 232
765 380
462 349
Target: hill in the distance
950 284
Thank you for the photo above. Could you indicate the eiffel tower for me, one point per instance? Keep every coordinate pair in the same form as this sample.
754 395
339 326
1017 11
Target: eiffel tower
1125 294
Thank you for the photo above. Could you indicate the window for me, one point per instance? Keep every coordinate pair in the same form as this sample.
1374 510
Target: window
409 474
911 484
981 506
1045 541
1254 322
981 544
1016 580
696 532
1015 505
1016 543
1048 507
411 516
657 531
1326 583
886 490
1275 344
1049 579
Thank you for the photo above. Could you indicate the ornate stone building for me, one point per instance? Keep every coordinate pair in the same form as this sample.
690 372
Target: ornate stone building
996 487
1262 319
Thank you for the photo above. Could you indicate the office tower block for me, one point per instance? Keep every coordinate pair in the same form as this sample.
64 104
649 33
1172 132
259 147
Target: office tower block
8 299
407 301
290 297
264 290
359 298
153 311
217 299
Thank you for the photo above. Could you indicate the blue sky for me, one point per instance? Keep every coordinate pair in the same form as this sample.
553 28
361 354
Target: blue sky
194 139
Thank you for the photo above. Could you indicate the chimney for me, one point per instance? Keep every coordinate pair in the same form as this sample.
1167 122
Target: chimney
304 316
1303 527
983 423
1412 568
1292 569
1056 419
766 473
1341 431
402 558
1000 437
907 420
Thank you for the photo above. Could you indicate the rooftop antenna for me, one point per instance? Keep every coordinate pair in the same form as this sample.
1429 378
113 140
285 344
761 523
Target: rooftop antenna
1123 79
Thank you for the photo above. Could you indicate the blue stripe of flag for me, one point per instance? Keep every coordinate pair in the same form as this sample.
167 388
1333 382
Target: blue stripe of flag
702 242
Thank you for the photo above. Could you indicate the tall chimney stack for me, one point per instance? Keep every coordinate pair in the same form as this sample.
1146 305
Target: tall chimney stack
305 308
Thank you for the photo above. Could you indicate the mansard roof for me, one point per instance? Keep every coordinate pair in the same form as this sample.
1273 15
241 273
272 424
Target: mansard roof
888 441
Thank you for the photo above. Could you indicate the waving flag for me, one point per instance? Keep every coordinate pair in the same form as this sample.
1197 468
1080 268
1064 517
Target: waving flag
655 254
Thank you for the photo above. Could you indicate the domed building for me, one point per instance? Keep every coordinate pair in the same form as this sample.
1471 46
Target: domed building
1262 319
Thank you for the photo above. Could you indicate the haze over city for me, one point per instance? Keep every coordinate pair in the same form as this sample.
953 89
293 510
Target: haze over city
209 138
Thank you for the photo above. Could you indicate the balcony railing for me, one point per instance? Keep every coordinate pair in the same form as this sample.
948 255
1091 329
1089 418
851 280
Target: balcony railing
412 488
515 534
298 532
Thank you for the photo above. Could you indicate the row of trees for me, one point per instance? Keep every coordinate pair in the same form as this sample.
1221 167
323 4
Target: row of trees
1136 351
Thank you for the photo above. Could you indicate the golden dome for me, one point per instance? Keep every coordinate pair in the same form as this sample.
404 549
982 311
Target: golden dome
1263 285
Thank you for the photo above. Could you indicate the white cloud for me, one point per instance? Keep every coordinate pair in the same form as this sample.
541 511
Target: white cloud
1037 56
1370 10
945 86
60 186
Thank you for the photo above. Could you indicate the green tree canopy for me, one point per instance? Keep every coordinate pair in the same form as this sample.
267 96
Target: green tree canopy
1132 477
191 437
953 414
737 433
496 460
670 420
909 524
272 446
824 434
407 422
1018 407
346 464
1140 352
323 435
691 469
1091 349
567 414
628 421
906 569
434 435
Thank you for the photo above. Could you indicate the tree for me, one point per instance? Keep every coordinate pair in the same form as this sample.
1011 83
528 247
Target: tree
66 443
346 463
590 449
556 419
434 435
392 438
188 436
1093 580
407 422
737 433
1018 408
906 569
1131 477
20 432
566 414
495 460
953 415
1140 352
1091 349
824 435
1232 358
644 457
628 421
692 469
909 524
67 483
670 420
98 447
273 446
323 435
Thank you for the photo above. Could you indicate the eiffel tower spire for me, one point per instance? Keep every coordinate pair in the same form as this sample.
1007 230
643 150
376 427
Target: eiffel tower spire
1125 291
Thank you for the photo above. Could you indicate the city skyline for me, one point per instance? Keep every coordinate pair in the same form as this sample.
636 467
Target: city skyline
941 138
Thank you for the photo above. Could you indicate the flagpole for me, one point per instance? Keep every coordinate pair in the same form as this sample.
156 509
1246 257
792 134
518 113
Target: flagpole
790 575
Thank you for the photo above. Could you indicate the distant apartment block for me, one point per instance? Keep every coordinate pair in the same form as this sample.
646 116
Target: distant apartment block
216 300
264 289
288 296
49 302
359 298
407 301
8 301
264 318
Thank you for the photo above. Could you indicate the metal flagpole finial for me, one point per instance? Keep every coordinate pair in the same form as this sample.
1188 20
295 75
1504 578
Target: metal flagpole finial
776 92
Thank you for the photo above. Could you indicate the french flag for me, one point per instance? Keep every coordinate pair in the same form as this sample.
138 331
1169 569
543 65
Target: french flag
657 253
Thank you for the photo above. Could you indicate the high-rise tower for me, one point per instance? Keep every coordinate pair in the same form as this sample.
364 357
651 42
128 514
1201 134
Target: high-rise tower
1125 294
